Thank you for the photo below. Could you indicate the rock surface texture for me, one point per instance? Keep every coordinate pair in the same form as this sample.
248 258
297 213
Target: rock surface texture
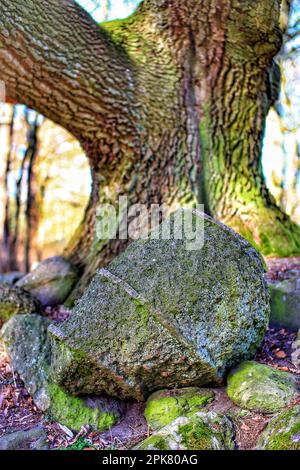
165 315
27 343
202 431
282 432
32 439
261 388
165 406
51 281
14 300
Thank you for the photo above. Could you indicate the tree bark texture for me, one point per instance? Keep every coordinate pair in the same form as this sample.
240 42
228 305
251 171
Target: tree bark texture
168 104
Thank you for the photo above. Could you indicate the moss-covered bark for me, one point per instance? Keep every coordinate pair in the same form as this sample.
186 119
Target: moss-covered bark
169 105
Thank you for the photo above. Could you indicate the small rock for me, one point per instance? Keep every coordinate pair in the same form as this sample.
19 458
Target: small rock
202 431
14 300
285 303
32 439
11 277
261 388
282 432
51 281
165 406
28 345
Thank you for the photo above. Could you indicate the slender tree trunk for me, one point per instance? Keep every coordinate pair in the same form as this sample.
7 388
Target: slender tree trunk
31 210
9 261
169 105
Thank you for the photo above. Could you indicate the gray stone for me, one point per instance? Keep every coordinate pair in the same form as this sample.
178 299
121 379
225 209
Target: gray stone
261 388
27 343
51 281
282 432
14 300
164 315
285 303
202 431
32 439
11 277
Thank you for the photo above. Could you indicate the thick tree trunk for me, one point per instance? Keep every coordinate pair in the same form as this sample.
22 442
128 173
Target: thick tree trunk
169 105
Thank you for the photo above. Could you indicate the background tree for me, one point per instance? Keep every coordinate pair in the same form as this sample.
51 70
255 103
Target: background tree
45 189
283 124
169 106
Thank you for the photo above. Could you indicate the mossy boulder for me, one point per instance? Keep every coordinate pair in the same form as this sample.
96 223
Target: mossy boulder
282 432
261 388
27 343
14 300
165 314
202 431
285 303
31 439
51 281
165 406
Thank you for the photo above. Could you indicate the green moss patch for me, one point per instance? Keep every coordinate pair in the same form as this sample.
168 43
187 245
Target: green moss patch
75 413
282 432
261 388
165 406
200 431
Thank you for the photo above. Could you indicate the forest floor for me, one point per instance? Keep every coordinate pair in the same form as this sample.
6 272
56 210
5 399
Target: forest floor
18 411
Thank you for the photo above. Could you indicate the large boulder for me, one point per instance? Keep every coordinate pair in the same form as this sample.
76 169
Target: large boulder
14 300
202 431
165 315
27 343
165 406
51 281
261 388
282 432
285 303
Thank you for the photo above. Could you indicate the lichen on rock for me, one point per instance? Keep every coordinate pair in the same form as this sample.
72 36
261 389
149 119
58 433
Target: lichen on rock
261 388
165 406
165 316
27 342
282 432
200 431
14 301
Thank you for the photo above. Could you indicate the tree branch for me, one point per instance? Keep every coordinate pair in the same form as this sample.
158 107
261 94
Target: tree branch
56 59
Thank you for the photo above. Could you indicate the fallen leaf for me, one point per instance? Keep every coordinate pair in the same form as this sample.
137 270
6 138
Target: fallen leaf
280 354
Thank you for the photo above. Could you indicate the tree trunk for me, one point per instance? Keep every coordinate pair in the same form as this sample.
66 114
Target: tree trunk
169 105
31 209
8 256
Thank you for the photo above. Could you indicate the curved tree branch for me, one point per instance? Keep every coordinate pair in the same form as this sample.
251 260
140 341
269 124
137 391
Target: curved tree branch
57 60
